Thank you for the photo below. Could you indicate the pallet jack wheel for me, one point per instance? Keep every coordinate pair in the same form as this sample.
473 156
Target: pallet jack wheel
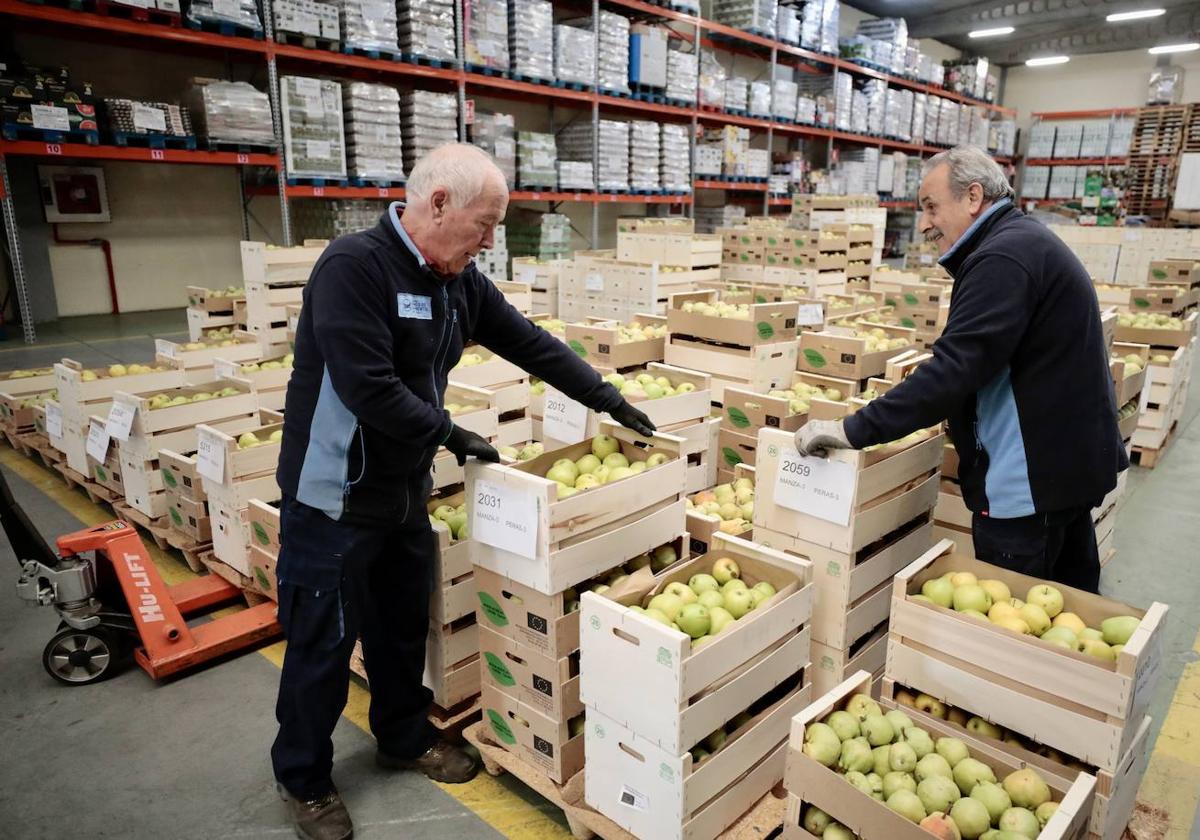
81 657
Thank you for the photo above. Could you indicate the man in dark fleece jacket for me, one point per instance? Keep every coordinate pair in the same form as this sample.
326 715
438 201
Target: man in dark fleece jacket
1020 374
386 314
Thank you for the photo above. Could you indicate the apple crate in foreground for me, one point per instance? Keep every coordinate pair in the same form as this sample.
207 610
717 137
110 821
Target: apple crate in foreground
808 782
1086 707
835 353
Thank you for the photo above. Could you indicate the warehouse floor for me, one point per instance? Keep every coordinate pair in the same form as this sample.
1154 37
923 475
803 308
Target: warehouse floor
188 758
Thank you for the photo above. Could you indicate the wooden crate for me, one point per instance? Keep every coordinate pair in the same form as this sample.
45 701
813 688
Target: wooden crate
180 475
846 356
598 344
452 682
745 412
951 509
621 646
832 665
542 276
1128 387
702 527
518 294
537 738
292 311
1065 700
1179 272
1164 380
814 784
491 371
200 322
1160 338
188 516
760 368
264 526
768 323
29 381
669 796
106 473
86 391
237 463
892 486
270 383
689 250
144 488
262 573
197 358
212 301
1173 299
577 537
174 427
17 407
529 676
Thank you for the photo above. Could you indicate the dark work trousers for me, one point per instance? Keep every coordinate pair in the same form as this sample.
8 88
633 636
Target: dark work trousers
1059 546
338 582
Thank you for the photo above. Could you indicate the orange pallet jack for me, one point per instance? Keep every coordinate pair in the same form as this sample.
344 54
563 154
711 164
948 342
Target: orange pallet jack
112 600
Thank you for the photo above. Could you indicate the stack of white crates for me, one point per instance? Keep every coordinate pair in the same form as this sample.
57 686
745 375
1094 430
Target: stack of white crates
427 120
531 38
644 155
313 132
426 28
373 131
674 156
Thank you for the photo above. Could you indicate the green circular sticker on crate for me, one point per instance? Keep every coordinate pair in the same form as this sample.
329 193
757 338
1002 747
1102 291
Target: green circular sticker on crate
814 358
760 298
501 728
168 477
260 533
100 473
1159 274
890 302
578 348
908 322
1141 303
175 516
910 299
499 670
765 330
731 457
737 417
493 610
261 577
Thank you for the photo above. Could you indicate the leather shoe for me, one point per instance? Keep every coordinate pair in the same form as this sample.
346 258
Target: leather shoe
323 818
443 762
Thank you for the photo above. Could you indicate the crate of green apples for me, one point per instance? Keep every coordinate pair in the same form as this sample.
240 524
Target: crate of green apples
480 367
214 300
79 386
167 419
454 587
704 316
17 405
618 347
1068 668
236 346
1158 329
1128 363
856 352
248 456
727 508
27 379
861 769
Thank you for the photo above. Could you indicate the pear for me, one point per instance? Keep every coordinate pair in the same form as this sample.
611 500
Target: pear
1026 788
1119 629
844 724
933 765
952 750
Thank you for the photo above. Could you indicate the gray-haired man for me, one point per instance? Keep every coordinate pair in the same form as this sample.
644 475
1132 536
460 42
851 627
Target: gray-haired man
1020 374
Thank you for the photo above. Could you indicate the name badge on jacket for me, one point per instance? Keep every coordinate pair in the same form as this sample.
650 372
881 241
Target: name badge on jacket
414 306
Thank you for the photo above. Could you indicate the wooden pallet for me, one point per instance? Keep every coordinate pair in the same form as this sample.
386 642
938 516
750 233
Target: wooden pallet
96 493
14 440
1146 457
1159 130
209 561
189 548
158 529
763 820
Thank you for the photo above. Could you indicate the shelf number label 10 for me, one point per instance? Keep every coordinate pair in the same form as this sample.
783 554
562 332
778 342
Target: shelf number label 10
563 418
815 486
504 518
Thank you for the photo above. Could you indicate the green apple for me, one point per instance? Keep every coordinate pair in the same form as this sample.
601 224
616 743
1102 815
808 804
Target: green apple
587 464
604 445
939 590
711 598
668 604
701 583
1046 597
117 370
739 602
1036 617
694 620
247 440
658 615
443 512
1097 650
726 569
662 557
586 482
844 725
613 460
997 589
720 619
1118 629
681 591
971 596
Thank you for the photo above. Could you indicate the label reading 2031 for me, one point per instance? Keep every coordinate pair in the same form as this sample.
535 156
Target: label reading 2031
504 517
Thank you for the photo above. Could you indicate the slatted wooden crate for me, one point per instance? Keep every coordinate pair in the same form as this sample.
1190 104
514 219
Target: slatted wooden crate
274 279
760 368
198 358
766 323
599 344
268 377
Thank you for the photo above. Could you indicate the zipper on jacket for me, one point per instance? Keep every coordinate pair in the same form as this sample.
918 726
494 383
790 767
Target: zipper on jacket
433 374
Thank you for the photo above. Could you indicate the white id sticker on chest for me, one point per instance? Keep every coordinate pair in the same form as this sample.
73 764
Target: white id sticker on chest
414 306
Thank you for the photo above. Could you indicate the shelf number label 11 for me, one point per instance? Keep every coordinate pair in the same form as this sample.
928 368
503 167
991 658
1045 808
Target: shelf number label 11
815 486
504 518
563 418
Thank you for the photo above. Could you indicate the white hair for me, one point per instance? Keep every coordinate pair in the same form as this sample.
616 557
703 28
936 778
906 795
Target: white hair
972 165
461 169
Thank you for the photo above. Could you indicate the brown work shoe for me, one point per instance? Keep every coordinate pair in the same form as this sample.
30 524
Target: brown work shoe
443 762
323 818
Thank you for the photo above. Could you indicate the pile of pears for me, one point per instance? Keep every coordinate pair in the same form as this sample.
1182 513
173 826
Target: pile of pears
646 386
282 363
732 503
249 440
603 465
877 339
659 560
526 453
719 309
167 401
1041 614
1149 321
117 371
932 782
801 395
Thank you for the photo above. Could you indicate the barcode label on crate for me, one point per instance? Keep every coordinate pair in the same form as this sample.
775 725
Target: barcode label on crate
210 455
120 419
504 518
146 118
815 486
633 799
53 420
50 117
564 418
97 441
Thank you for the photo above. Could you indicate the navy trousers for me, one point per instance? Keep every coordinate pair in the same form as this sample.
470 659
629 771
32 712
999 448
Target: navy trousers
1059 546
339 582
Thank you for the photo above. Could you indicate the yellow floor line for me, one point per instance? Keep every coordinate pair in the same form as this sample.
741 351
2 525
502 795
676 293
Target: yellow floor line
501 802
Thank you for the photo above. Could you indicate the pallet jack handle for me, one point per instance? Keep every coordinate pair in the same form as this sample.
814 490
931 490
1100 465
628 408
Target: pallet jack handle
27 543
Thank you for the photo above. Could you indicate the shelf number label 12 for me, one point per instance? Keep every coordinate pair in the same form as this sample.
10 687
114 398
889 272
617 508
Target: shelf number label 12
504 518
563 418
815 486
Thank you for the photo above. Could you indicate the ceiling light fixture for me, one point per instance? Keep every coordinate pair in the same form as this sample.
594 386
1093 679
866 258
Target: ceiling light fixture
988 33
1047 60
1119 17
1174 48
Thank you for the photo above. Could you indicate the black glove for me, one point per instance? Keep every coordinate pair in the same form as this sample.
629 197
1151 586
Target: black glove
465 444
631 418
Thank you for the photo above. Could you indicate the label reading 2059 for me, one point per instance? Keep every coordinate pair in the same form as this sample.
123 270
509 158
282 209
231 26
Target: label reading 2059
796 467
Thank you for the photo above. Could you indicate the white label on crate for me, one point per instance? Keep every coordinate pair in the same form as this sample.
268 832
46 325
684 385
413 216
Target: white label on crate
815 486
53 420
633 799
1144 397
307 24
926 259
314 109
594 282
230 9
97 441
210 455
120 419
162 347
226 370
146 118
505 518
526 273
318 149
564 418
305 86
50 117
811 314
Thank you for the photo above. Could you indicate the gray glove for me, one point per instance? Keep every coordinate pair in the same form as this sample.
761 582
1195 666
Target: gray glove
816 437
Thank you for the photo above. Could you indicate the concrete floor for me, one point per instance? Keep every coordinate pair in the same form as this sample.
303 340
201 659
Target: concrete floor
188 758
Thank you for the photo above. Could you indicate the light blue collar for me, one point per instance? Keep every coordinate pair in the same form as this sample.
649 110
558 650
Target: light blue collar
394 214
987 214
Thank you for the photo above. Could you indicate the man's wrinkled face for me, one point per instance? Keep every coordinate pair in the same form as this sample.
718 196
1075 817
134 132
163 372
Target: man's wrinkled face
944 216
460 233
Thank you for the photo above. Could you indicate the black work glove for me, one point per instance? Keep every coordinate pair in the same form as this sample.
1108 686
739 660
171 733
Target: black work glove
631 418
466 444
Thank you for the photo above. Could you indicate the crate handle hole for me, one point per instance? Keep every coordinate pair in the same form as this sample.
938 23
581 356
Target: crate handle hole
631 751
627 637
508 596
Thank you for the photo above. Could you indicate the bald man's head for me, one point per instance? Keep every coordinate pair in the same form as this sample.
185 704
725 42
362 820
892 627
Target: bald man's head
456 197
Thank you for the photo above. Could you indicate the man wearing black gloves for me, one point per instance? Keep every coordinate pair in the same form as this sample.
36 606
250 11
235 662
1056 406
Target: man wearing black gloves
386 314
1020 373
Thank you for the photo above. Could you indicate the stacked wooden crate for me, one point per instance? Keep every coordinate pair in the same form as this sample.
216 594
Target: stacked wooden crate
1171 355
84 392
704 735
274 279
543 277
858 352
187 503
210 309
145 422
860 250
20 392
818 795
479 409
858 517
772 247
683 258
518 293
198 357
268 377
533 552
603 345
598 285
921 255
705 520
922 306
480 368
1087 709
757 352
